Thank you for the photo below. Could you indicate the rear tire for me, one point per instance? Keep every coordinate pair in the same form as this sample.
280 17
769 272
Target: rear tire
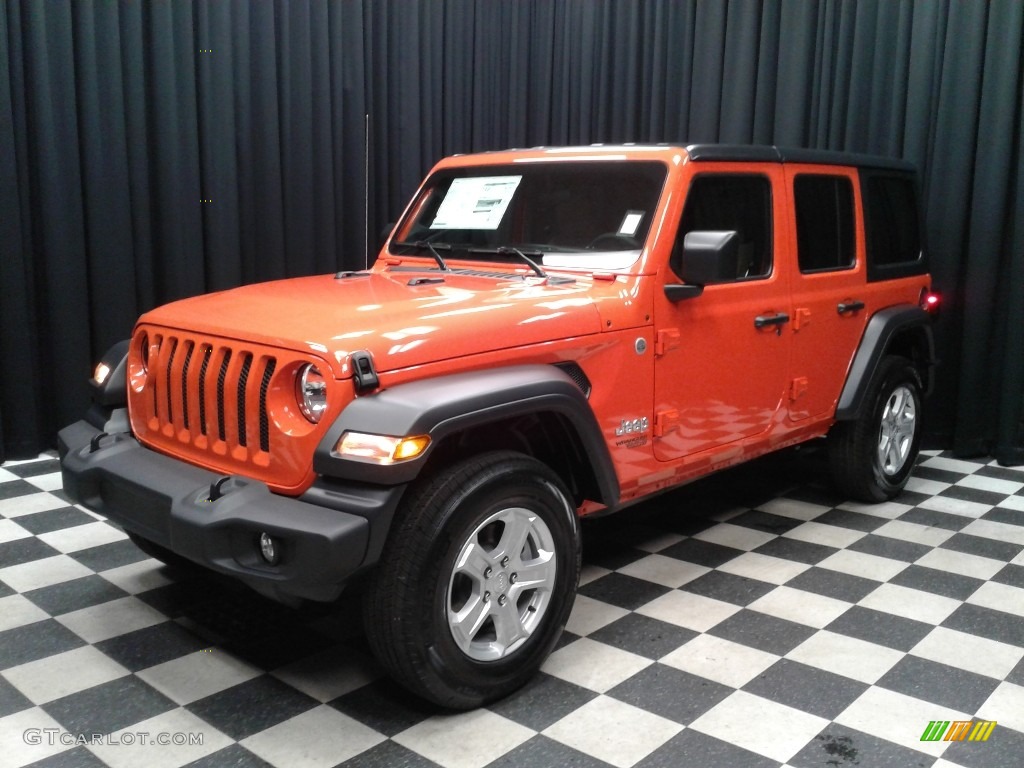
476 581
871 458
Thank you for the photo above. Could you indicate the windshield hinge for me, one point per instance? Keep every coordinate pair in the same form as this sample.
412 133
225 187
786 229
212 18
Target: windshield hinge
364 375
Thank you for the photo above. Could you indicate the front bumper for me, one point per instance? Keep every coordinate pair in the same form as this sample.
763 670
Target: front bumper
168 502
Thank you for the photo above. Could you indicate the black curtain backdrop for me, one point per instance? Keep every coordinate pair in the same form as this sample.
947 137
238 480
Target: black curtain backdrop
155 149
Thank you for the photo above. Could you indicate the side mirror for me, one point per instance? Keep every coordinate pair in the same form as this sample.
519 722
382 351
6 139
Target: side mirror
708 258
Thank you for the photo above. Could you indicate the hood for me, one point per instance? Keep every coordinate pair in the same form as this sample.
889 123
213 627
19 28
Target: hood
403 319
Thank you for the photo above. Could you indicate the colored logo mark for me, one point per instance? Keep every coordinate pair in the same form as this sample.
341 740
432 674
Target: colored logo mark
958 730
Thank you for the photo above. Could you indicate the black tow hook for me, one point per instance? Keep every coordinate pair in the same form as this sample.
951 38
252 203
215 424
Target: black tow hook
215 488
94 444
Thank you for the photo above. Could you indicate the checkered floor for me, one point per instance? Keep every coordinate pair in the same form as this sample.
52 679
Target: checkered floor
751 619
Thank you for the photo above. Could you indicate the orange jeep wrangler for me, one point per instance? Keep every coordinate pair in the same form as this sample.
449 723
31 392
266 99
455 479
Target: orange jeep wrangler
547 334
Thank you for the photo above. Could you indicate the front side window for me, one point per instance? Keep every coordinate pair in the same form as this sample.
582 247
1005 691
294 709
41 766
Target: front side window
824 222
587 214
731 202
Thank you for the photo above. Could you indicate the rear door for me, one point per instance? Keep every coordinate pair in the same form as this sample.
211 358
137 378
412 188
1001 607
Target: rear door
722 358
831 303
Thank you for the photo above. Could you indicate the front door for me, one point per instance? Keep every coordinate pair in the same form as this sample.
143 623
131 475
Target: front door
722 358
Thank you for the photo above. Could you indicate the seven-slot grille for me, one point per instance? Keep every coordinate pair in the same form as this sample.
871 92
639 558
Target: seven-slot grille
209 394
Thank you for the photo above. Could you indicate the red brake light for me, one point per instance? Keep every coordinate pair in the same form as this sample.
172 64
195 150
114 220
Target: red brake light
930 302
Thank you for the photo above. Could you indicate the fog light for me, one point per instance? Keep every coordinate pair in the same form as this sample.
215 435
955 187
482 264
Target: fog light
270 549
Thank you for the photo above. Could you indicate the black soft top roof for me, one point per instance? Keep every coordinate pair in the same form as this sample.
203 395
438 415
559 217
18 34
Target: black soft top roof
770 154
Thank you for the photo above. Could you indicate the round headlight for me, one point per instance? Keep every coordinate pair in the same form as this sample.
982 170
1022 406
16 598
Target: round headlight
311 392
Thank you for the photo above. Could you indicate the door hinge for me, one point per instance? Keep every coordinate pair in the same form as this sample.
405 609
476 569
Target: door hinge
666 340
797 387
665 421
801 317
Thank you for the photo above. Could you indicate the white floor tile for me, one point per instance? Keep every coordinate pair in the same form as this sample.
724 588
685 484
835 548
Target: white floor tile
589 615
139 577
17 611
589 573
63 674
846 656
773 570
930 487
898 718
735 536
720 660
43 573
110 619
592 665
29 504
961 563
918 534
1005 706
990 529
319 738
330 673
762 726
189 737
993 484
11 531
466 740
970 652
955 506
799 510
801 607
1013 502
887 509
667 571
82 537
952 465
49 482
827 535
29 736
685 609
613 731
862 564
910 603
197 675
999 597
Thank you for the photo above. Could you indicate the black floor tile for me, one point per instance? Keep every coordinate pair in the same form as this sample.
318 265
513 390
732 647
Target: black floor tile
77 757
540 750
728 587
384 706
806 688
765 522
881 628
1004 515
11 699
937 582
387 754
75 594
940 684
54 520
856 521
542 702
108 707
701 552
35 641
841 586
886 546
761 631
1004 747
670 693
22 551
1002 473
34 468
624 591
108 556
982 547
938 475
235 756
643 635
150 646
976 495
1016 675
252 706
14 488
792 549
691 748
933 519
995 625
840 747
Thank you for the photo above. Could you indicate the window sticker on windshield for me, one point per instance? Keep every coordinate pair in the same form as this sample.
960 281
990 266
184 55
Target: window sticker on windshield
630 222
478 202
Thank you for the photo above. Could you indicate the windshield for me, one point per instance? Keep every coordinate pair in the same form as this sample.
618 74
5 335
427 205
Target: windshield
592 214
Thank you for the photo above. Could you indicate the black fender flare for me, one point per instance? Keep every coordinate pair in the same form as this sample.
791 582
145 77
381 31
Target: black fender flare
883 327
444 405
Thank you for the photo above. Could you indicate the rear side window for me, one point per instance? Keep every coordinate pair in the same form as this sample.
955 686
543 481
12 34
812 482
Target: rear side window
824 222
731 202
892 226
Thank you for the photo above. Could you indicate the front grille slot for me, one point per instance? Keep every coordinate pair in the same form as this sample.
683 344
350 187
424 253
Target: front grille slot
202 393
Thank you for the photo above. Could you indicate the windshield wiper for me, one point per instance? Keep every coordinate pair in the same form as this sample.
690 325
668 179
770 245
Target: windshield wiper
508 250
426 245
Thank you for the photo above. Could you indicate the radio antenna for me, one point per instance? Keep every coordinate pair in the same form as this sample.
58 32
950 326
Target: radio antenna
366 192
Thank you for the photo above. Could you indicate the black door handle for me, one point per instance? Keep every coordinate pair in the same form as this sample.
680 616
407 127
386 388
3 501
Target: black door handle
762 320
849 306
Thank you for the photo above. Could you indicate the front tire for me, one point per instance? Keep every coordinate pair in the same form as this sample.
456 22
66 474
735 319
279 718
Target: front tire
476 581
871 458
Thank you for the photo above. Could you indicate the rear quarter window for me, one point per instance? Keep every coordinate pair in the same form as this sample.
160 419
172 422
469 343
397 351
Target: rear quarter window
892 225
